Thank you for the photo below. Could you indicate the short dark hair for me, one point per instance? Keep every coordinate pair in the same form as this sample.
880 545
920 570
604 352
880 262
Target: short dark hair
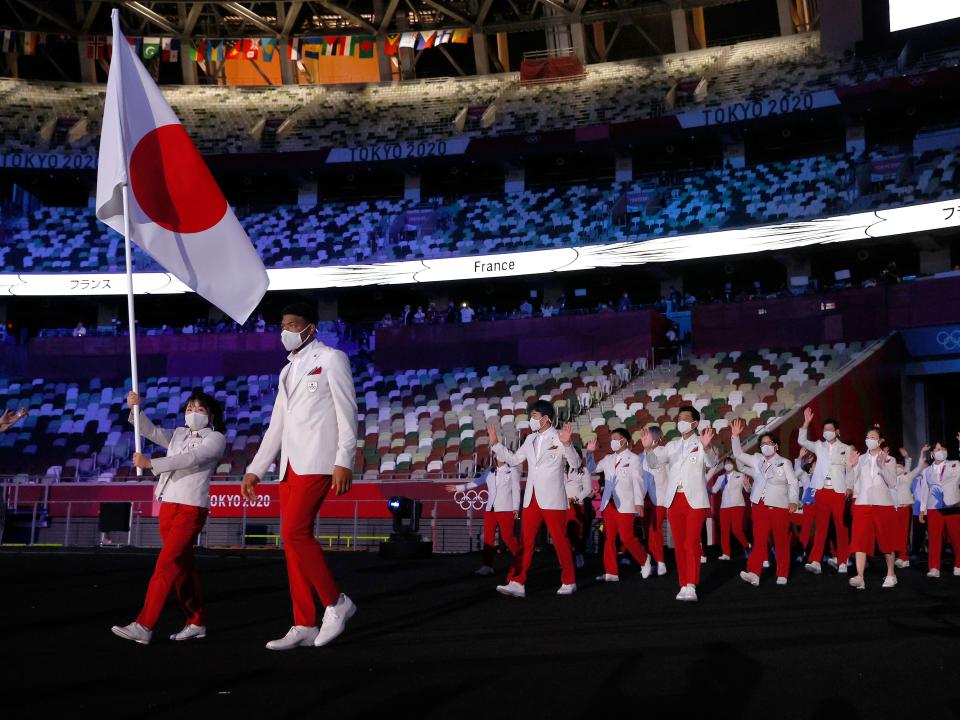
211 405
770 435
694 413
302 309
545 408
656 431
622 432
831 421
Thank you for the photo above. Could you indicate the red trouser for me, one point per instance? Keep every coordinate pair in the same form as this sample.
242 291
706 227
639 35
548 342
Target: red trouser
505 521
618 524
937 522
767 520
176 569
829 504
556 520
801 524
577 527
731 520
874 526
904 513
685 524
653 517
300 499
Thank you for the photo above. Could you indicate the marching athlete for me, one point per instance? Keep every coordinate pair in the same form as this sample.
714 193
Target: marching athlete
730 484
939 509
655 504
313 429
183 490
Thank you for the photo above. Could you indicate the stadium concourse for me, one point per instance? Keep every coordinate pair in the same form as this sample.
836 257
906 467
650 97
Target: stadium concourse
575 359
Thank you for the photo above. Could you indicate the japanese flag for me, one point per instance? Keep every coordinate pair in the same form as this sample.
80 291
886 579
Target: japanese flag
178 215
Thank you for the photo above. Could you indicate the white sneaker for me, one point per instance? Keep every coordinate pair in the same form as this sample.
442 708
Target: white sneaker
682 595
297 636
890 581
933 572
607 577
766 564
483 571
813 567
134 631
842 569
190 632
567 589
956 572
781 581
646 568
578 561
724 557
513 589
703 559
898 563
749 577
906 563
857 582
833 562
335 620
691 595
661 568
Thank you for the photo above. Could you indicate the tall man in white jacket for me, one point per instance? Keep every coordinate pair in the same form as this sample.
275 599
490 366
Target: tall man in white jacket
687 459
547 454
313 428
831 489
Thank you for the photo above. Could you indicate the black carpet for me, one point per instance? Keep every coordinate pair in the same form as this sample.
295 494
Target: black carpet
431 640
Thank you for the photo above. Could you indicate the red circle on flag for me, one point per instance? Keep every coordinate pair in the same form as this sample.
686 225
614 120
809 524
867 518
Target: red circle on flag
172 182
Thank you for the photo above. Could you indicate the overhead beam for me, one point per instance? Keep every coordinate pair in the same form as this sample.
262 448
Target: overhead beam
388 15
251 17
348 15
453 62
193 16
52 16
449 12
90 16
484 11
293 12
153 17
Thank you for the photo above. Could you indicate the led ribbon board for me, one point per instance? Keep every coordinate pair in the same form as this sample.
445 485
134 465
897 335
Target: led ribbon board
740 241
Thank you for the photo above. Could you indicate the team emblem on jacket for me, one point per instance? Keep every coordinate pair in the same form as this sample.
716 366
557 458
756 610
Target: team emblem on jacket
312 387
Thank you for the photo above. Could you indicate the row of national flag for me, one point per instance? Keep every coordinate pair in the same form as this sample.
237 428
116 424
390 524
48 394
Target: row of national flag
99 47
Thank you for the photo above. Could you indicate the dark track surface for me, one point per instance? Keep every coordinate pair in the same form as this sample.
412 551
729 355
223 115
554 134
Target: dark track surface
431 640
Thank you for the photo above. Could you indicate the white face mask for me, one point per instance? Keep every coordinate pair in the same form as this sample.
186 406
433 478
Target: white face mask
872 444
535 424
291 340
197 421
728 467
684 427
768 450
615 444
829 435
939 455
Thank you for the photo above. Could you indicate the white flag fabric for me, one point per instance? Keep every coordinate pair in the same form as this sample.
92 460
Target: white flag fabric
178 214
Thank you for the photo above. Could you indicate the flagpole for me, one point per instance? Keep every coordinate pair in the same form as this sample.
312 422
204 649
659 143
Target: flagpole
131 320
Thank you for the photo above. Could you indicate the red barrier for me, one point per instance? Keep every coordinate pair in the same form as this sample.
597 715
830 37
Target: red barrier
551 70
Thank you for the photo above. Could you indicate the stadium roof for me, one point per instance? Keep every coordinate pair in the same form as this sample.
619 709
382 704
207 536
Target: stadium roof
224 19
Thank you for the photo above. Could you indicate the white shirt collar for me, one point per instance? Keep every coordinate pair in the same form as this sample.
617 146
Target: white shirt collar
305 350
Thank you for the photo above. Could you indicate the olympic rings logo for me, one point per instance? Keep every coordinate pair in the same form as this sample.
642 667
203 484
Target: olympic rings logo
950 340
471 499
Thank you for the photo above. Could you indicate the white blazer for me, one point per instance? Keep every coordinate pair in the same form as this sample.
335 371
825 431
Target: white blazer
184 474
313 426
905 483
579 484
941 485
623 481
874 484
837 472
686 463
656 481
546 471
732 485
773 478
503 488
